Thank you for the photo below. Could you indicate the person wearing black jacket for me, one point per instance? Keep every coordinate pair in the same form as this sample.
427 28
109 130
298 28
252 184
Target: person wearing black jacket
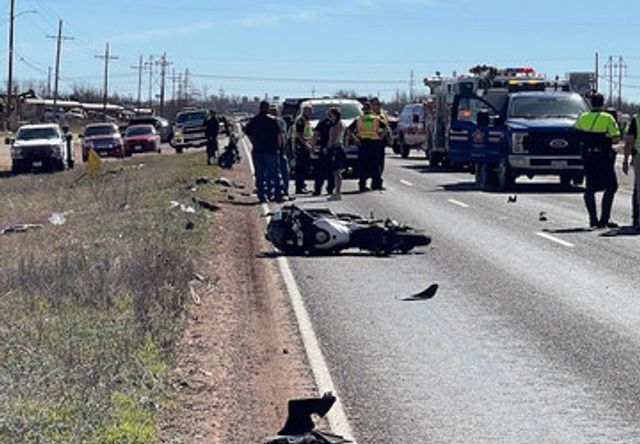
211 129
266 138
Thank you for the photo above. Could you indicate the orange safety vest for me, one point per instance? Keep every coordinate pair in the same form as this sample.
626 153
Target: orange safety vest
368 126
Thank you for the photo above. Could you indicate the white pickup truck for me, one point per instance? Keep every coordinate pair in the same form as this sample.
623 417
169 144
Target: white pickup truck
40 147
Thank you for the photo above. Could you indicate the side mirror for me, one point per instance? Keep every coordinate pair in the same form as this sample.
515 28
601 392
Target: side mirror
8 141
483 119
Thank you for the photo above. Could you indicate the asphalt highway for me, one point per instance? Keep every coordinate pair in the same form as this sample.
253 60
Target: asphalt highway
534 335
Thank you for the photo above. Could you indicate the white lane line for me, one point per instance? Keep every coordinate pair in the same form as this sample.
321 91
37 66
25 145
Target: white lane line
337 417
555 239
406 182
458 203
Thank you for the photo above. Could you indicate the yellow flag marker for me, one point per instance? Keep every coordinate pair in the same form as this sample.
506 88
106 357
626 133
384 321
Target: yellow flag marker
94 165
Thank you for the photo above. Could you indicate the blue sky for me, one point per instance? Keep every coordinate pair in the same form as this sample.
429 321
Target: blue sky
368 45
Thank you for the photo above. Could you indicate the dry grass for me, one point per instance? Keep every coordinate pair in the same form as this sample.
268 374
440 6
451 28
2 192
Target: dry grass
90 310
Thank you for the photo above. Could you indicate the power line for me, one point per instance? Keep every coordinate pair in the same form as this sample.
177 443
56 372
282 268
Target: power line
300 80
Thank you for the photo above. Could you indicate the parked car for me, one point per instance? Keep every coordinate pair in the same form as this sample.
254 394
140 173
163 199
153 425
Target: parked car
163 126
411 129
104 138
189 130
42 147
141 139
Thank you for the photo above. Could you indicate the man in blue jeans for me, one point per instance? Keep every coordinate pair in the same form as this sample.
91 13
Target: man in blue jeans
265 136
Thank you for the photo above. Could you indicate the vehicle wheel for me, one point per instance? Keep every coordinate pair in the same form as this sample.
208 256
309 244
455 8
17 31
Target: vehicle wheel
577 181
396 147
71 163
179 149
565 181
505 176
16 169
60 165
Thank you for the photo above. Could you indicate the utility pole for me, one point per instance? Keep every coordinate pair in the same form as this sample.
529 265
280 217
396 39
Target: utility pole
186 85
597 71
49 72
59 39
149 66
412 85
140 68
621 67
107 57
609 66
163 74
173 79
10 74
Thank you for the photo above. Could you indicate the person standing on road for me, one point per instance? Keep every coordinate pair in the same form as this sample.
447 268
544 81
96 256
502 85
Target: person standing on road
211 129
302 134
369 131
599 157
264 133
377 110
328 136
632 149
283 161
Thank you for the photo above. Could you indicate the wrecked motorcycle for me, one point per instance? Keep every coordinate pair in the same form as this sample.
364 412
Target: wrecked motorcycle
297 231
300 429
230 154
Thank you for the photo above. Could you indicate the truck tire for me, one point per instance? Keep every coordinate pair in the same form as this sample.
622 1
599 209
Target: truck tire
577 181
179 149
505 178
565 181
16 168
404 150
71 163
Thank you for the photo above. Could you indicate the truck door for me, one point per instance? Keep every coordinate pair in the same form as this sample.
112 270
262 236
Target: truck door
470 143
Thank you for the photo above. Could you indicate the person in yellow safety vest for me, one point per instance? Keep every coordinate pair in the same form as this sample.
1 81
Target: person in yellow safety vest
632 149
601 132
377 110
369 131
302 134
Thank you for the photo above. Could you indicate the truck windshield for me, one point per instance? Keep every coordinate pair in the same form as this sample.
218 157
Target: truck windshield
139 130
191 117
103 130
347 110
545 106
37 133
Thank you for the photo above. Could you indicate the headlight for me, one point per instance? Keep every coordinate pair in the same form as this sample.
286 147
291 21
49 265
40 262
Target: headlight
58 150
16 152
517 142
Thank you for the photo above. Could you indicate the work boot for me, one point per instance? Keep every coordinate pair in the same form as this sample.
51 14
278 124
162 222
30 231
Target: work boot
335 197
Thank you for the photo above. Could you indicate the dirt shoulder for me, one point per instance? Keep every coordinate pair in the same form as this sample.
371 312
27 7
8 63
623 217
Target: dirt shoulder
241 358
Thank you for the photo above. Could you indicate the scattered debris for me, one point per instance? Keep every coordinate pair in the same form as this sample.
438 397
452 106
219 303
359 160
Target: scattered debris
198 277
57 219
185 209
299 427
542 217
285 351
423 295
20 228
512 199
202 180
194 296
205 204
140 166
189 226
224 182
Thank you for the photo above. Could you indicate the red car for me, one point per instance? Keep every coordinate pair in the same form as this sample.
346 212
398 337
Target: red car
104 139
141 139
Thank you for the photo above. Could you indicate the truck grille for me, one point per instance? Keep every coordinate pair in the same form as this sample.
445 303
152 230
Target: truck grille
553 143
37 152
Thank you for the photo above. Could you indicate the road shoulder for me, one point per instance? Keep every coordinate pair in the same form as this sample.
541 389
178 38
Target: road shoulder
241 358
